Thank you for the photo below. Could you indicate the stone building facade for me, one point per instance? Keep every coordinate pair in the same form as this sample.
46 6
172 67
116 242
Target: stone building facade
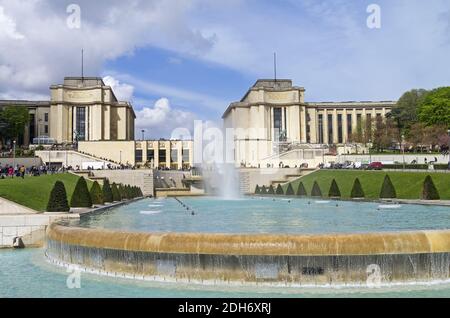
274 112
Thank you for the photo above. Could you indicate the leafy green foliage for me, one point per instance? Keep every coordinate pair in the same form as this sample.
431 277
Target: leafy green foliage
429 190
81 197
334 191
96 194
271 190
405 112
301 190
290 190
316 192
58 199
280 190
13 121
107 192
115 193
357 190
435 109
387 189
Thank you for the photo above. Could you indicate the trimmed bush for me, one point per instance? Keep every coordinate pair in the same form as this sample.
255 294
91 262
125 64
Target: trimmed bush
357 190
429 191
316 192
115 193
280 190
57 201
387 189
289 190
301 191
96 194
81 198
107 192
271 190
334 191
141 194
263 190
257 190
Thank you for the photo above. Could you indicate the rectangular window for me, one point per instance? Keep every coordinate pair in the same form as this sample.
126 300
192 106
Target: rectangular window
46 129
330 129
308 128
185 155
349 125
174 155
138 155
340 131
162 157
369 126
277 123
150 155
320 129
46 117
81 123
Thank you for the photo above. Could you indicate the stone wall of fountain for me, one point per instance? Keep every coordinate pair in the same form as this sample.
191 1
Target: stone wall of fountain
296 259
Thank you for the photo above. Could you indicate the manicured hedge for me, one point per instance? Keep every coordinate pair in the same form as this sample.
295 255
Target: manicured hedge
107 192
357 190
58 199
387 189
290 190
96 194
316 192
334 191
280 190
429 190
81 197
301 190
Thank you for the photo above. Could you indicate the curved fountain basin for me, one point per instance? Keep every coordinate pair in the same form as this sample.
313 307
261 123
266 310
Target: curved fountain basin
267 258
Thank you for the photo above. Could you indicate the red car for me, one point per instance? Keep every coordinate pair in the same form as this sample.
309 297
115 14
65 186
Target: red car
375 166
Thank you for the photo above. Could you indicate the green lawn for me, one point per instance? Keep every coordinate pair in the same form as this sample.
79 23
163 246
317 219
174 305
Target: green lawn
407 184
34 192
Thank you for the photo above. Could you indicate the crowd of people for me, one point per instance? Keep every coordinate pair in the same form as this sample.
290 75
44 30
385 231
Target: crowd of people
20 171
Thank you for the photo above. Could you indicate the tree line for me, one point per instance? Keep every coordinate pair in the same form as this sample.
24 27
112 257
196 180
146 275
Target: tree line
420 120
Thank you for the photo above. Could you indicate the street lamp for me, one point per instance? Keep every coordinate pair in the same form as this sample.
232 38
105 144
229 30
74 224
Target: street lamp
143 134
14 154
403 150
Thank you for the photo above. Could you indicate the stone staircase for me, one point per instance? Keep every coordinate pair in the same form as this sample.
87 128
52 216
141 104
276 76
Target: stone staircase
292 177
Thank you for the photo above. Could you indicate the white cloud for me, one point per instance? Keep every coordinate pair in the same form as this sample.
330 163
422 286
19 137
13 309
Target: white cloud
8 27
123 91
161 120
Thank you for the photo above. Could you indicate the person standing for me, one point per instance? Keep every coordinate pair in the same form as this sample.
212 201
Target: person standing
22 172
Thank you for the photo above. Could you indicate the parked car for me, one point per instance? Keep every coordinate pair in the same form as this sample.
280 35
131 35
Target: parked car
375 166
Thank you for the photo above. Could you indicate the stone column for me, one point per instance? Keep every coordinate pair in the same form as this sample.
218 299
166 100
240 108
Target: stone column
325 126
313 126
335 127
344 126
303 123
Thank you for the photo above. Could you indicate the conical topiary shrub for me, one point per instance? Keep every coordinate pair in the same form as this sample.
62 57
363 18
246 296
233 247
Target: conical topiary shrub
301 191
57 201
81 198
289 190
96 194
280 190
271 190
115 193
316 192
107 192
357 190
429 191
263 190
141 194
387 189
334 191
257 190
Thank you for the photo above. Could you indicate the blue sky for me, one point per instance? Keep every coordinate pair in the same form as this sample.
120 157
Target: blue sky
183 60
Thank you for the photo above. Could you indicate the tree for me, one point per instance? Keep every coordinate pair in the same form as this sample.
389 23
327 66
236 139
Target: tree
316 192
96 194
429 190
357 190
289 190
435 108
405 112
263 190
257 190
107 192
81 198
387 189
271 190
58 199
115 193
385 133
13 121
301 190
280 190
334 190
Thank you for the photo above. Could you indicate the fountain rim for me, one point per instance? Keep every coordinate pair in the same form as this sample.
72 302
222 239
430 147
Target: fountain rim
376 243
